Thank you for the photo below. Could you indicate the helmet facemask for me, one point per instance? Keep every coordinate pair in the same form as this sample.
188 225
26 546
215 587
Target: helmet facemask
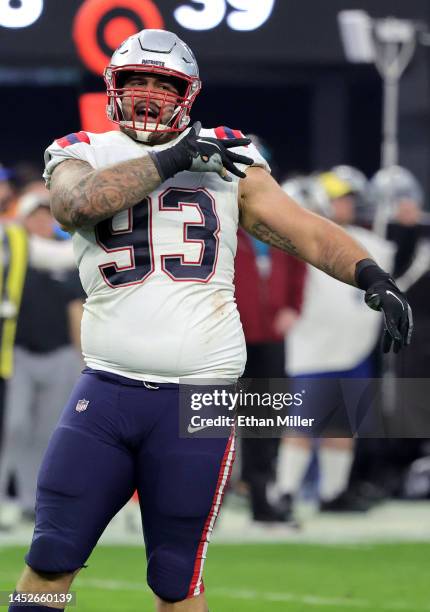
148 107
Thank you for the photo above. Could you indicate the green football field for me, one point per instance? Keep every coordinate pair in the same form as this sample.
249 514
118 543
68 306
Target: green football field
262 577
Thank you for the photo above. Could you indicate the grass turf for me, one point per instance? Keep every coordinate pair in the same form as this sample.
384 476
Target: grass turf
261 577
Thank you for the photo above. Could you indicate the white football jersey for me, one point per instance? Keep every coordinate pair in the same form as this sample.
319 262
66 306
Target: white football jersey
159 277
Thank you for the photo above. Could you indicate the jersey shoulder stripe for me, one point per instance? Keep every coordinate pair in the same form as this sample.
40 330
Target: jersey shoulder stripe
223 132
72 139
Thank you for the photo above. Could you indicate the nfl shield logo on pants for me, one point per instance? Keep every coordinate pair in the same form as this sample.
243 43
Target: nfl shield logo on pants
82 405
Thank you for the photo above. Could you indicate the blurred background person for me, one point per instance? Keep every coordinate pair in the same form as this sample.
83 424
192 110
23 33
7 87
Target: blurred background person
13 266
46 355
385 463
333 339
400 193
268 289
7 194
17 248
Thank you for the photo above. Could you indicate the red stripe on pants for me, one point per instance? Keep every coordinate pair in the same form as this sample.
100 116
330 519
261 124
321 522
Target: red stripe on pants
223 478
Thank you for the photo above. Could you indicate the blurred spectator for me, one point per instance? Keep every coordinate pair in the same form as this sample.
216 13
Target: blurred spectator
269 286
13 264
7 194
397 196
268 289
363 205
397 191
333 339
47 352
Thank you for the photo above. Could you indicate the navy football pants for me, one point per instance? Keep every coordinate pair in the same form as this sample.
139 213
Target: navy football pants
126 438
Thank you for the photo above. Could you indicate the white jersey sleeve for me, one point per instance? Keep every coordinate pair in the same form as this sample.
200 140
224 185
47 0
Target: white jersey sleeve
72 146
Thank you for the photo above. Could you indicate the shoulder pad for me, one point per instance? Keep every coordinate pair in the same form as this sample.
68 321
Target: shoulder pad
223 132
72 139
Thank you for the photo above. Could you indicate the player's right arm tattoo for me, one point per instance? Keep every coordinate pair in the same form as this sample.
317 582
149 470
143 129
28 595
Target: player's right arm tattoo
82 196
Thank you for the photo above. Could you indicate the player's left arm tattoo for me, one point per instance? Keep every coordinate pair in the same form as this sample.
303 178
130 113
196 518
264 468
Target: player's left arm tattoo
337 252
267 213
263 232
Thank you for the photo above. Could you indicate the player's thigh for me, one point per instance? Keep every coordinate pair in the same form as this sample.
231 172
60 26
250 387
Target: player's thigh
86 476
181 488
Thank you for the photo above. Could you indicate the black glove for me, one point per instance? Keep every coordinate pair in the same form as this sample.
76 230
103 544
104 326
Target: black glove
201 154
383 294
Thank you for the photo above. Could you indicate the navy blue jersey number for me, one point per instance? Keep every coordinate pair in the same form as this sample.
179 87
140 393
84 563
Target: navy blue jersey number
203 232
137 240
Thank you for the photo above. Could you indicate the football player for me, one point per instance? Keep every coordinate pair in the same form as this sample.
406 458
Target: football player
351 331
154 209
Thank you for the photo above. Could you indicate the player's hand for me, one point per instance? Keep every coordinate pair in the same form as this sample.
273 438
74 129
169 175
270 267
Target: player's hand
201 154
213 154
386 296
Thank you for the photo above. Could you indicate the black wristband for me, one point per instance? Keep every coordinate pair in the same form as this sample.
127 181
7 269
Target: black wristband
172 160
367 273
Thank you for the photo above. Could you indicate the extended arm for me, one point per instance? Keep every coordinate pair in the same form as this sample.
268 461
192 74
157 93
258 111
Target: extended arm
271 216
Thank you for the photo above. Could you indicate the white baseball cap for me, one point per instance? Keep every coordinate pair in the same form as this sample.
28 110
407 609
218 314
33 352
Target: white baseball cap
30 202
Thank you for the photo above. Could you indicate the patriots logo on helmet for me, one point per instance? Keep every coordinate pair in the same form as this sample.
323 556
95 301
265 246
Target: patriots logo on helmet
153 62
